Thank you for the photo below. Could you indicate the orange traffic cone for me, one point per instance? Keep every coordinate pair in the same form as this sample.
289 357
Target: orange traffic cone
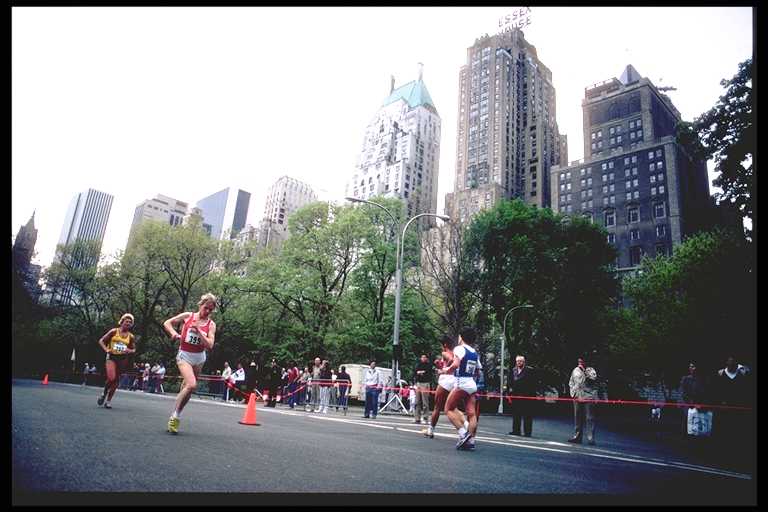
45 380
249 418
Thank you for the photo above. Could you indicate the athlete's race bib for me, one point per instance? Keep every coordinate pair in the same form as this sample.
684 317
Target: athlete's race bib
192 337
119 348
471 367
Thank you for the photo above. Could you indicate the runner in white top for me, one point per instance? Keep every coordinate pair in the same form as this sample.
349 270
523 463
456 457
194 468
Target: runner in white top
466 361
445 384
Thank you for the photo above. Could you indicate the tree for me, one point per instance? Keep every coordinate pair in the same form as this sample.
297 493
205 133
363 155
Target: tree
521 254
727 133
697 304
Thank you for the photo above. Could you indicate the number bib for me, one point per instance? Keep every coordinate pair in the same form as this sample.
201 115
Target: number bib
119 348
471 367
192 337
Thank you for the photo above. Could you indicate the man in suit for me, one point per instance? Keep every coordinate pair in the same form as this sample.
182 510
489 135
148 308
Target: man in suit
523 383
583 386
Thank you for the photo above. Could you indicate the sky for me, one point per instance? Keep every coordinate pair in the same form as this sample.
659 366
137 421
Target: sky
185 101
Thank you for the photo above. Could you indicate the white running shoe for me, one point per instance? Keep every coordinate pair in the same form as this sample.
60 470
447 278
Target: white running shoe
430 432
462 440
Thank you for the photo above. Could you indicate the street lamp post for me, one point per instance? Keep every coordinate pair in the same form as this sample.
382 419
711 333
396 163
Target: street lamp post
398 274
503 339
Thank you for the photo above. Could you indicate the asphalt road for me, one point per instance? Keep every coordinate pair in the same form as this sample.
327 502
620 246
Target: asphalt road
62 442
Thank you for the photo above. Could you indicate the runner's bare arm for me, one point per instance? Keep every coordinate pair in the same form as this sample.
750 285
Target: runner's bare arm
168 324
103 340
208 340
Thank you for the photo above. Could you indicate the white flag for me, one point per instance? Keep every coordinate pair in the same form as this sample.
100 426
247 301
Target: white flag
73 358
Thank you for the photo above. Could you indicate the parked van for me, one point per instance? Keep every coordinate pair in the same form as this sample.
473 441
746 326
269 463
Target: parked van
356 372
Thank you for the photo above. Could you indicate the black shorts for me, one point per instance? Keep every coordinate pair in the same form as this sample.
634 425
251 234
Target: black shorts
121 360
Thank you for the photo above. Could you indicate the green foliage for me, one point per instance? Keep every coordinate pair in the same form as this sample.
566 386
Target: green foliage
699 303
525 255
728 136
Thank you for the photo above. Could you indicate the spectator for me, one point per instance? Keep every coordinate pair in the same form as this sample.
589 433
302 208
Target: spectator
251 377
372 383
334 399
480 380
315 387
273 380
292 378
153 378
138 370
344 381
325 386
303 389
160 377
423 382
692 388
583 388
145 377
125 380
412 400
522 383
238 379
226 378
733 388
86 369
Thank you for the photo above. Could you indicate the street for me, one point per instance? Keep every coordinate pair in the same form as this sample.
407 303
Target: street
63 443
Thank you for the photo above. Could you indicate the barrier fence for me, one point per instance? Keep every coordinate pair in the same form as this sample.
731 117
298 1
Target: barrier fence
331 384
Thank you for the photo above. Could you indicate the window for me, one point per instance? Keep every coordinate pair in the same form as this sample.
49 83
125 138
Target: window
626 161
568 175
604 166
635 182
631 136
635 255
599 133
613 140
612 130
652 167
633 214
610 165
605 178
589 203
612 187
634 234
589 193
589 181
658 153
627 172
661 189
661 250
605 200
634 159
568 197
629 196
653 191
594 135
568 186
562 187
661 230
634 171
660 177
639 123
653 178
631 124
562 199
581 172
589 171
639 134
584 182
610 176
650 155
659 165
613 199
562 176
636 194
594 146
659 210
569 209
610 219
618 139
611 238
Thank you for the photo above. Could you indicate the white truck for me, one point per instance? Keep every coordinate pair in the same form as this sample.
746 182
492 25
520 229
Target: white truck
355 372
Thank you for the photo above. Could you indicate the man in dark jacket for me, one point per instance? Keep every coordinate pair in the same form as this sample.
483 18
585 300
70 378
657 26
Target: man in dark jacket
522 383
733 387
422 376
274 377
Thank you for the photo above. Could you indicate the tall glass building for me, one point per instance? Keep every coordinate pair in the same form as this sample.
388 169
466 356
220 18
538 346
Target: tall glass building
225 211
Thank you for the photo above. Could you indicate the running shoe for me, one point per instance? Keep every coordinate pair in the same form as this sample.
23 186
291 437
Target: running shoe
462 440
430 433
470 444
107 405
173 425
100 401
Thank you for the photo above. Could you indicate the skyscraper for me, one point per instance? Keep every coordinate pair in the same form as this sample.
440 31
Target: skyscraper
225 211
636 180
284 197
86 219
160 209
23 250
507 135
401 150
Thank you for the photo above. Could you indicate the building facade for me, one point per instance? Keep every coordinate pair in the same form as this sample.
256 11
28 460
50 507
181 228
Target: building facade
401 151
507 133
284 197
86 219
160 209
23 250
225 211
636 181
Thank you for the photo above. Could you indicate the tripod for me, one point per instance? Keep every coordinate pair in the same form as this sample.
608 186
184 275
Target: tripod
395 398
